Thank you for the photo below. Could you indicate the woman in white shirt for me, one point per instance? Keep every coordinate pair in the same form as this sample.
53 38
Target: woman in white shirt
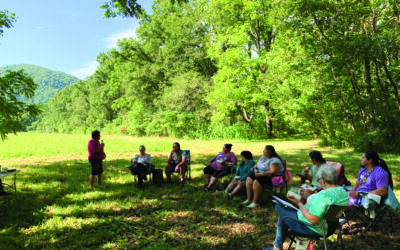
269 164
141 165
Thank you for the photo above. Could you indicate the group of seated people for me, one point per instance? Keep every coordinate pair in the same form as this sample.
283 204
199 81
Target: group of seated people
374 177
254 176
142 164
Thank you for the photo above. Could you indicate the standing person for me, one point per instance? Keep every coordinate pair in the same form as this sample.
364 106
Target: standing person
96 157
176 163
216 167
141 165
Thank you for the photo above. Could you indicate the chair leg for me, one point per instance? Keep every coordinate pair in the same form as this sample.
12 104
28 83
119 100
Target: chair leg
391 234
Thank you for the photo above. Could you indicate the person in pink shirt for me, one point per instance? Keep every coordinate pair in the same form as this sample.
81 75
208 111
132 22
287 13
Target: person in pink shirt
96 157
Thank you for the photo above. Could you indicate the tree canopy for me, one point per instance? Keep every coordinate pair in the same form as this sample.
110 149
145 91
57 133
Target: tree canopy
246 69
12 85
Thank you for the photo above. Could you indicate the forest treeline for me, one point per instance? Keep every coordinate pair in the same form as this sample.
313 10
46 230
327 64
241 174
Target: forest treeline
48 81
246 69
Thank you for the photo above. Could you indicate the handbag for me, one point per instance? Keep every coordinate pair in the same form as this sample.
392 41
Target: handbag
391 201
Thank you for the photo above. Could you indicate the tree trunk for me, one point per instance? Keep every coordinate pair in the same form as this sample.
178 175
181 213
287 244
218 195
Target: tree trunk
268 121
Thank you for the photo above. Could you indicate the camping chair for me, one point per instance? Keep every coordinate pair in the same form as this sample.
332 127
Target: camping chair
280 181
371 218
148 172
331 218
342 180
188 168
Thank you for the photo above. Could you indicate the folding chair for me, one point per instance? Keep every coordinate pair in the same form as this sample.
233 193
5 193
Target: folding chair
331 218
279 182
370 218
148 172
188 168
342 180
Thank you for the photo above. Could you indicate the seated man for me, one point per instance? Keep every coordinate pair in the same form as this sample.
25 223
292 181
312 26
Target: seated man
142 164
176 163
374 177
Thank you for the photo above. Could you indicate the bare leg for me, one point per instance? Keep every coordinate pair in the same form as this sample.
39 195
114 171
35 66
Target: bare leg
212 182
258 189
249 188
168 172
183 172
99 179
207 178
91 181
231 185
238 187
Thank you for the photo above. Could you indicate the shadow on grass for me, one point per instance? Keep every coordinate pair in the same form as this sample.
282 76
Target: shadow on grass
56 209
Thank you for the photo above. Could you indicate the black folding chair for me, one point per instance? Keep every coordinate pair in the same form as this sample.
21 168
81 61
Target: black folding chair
331 218
369 218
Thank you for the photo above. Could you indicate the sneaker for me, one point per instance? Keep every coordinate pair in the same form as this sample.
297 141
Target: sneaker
207 189
253 205
182 183
245 202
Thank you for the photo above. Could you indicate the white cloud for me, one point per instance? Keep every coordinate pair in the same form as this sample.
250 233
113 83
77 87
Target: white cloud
87 70
112 39
42 27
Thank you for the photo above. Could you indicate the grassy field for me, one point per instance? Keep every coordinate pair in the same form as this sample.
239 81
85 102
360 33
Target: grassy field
56 209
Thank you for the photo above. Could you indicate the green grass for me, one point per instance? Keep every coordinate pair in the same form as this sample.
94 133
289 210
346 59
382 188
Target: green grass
56 209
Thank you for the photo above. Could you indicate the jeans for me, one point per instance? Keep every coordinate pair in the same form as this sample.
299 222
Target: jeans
296 226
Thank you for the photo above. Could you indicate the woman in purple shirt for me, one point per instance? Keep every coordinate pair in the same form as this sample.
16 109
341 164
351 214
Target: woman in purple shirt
216 167
374 177
96 157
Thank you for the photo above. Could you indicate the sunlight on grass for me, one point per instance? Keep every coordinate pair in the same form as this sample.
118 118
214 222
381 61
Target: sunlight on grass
56 209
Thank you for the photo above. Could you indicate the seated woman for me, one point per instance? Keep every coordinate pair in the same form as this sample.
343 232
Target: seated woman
217 169
374 177
142 164
243 171
311 174
269 164
315 209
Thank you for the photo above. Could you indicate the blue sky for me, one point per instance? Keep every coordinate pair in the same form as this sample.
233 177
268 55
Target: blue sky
63 35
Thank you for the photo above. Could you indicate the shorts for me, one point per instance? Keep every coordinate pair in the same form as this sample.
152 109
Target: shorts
96 166
175 169
213 172
265 181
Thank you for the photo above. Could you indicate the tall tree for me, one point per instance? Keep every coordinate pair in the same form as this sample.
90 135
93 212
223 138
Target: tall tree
13 84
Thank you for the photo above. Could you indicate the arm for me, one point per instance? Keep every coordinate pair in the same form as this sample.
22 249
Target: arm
182 162
135 159
273 169
212 160
310 217
353 192
382 191
148 160
232 161
170 157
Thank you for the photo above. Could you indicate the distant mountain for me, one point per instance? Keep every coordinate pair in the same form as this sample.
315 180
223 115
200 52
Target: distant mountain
49 81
